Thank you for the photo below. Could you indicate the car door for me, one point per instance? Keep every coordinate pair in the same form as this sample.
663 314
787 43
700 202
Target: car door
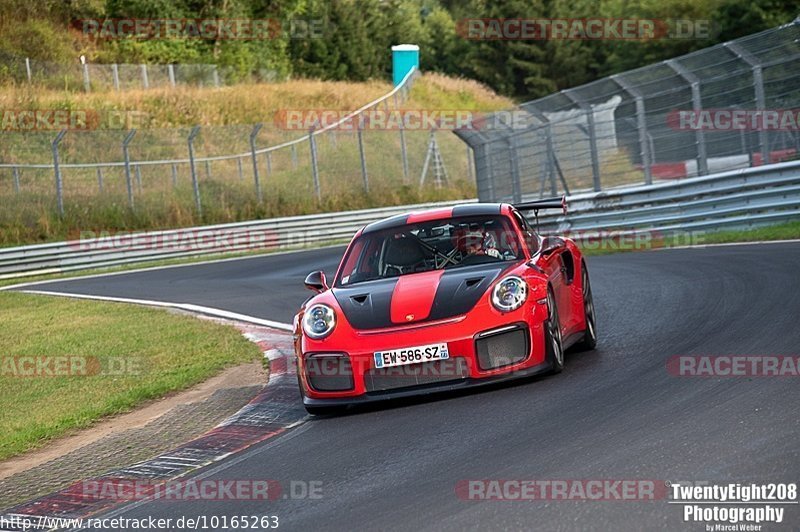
554 267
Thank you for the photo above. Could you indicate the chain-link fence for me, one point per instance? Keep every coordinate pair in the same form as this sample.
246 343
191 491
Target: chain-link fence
734 105
90 77
183 176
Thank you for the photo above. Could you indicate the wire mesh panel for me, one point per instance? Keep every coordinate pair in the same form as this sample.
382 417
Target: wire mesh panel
110 174
102 77
671 120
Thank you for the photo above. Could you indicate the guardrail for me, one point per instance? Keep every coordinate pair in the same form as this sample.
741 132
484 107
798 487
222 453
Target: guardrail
736 199
95 251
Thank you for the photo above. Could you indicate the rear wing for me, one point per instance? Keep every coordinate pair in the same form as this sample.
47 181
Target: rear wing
549 203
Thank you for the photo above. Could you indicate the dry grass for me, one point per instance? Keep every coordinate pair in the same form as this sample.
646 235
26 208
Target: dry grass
226 114
251 103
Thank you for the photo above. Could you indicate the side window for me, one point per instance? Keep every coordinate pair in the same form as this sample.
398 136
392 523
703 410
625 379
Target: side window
528 232
352 260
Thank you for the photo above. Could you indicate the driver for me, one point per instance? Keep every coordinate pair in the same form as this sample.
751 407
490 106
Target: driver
474 241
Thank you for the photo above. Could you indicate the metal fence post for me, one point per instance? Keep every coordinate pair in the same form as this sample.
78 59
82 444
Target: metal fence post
174 175
253 135
195 184
551 158
758 82
294 156
171 73
215 76
269 163
697 105
15 173
470 169
593 148
487 159
592 134
115 75
87 85
57 171
361 153
403 152
28 69
208 169
138 177
127 140
145 80
314 169
516 184
641 119
239 168
484 178
100 179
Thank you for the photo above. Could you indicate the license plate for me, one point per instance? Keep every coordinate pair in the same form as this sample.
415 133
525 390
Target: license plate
411 355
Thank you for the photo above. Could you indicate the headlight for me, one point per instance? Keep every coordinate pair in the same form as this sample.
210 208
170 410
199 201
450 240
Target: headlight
509 294
318 321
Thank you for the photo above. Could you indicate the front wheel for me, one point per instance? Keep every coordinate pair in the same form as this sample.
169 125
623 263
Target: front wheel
552 335
589 340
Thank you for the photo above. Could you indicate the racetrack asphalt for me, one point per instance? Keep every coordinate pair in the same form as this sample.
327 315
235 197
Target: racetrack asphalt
614 413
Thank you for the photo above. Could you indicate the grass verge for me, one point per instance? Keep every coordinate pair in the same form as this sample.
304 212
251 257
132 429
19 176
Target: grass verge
785 231
122 356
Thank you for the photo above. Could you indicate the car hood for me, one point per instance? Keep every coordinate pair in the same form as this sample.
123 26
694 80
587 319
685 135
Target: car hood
416 297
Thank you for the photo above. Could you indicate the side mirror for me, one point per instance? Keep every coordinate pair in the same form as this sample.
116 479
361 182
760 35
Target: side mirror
316 281
551 244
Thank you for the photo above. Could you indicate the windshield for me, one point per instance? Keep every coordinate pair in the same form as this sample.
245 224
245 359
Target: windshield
427 246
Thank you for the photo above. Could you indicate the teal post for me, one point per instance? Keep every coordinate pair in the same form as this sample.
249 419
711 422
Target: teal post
404 58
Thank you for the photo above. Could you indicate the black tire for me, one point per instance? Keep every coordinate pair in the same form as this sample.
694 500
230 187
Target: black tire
554 346
589 340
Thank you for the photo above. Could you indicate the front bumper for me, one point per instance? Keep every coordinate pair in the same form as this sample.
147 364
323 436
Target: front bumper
427 389
470 363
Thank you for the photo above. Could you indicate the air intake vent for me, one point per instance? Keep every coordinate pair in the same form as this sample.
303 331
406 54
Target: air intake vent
329 372
361 299
503 349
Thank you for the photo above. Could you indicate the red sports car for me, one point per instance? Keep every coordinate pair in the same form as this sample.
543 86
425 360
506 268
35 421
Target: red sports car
439 300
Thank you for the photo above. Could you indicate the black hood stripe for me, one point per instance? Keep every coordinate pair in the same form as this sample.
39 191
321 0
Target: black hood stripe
368 305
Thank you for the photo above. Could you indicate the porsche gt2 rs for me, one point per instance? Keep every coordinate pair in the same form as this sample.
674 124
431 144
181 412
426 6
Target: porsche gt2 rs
438 300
